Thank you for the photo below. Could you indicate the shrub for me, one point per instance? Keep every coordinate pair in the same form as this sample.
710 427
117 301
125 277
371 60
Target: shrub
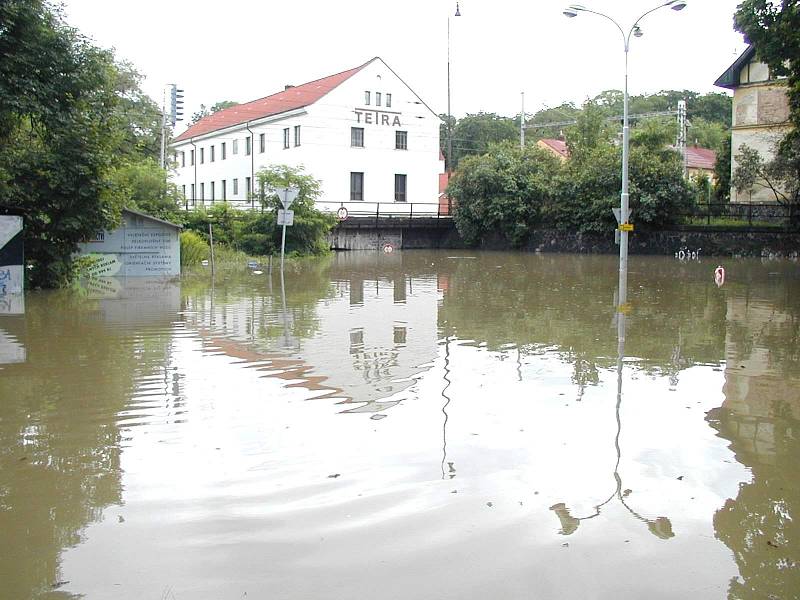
194 249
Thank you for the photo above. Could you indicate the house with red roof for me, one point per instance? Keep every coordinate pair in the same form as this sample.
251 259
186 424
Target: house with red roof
700 161
364 133
557 148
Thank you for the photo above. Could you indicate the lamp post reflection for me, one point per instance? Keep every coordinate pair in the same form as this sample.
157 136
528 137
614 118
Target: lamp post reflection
661 526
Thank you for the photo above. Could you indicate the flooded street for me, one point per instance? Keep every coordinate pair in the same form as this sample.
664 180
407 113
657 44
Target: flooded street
415 425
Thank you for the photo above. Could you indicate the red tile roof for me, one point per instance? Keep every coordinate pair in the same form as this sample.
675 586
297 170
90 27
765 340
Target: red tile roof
557 146
700 158
289 99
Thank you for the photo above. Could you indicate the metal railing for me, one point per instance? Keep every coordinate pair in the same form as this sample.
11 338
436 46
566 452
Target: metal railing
355 208
389 210
736 215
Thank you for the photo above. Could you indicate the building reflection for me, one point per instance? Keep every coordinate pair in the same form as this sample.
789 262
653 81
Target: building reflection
761 418
362 325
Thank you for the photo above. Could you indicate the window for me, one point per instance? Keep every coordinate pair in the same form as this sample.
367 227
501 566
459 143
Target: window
357 137
297 135
285 138
235 187
401 140
183 158
356 186
388 101
235 146
202 191
191 157
212 153
377 98
212 191
247 187
262 142
399 188
366 98
223 154
224 190
183 191
248 146
202 155
193 197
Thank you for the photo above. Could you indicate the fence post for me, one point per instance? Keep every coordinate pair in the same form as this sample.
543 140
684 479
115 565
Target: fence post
750 214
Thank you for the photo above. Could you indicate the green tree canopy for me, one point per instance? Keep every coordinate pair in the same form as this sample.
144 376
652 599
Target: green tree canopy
216 107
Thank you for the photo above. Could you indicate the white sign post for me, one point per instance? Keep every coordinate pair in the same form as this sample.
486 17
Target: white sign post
286 216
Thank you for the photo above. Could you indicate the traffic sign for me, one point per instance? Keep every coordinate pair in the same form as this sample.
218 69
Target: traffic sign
626 227
285 217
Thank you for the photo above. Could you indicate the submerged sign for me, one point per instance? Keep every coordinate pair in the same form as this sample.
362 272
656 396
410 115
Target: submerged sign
12 256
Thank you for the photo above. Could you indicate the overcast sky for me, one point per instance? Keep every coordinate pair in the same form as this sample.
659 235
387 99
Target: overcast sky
242 50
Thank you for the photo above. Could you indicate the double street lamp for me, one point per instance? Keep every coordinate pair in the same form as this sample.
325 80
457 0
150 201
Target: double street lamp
635 31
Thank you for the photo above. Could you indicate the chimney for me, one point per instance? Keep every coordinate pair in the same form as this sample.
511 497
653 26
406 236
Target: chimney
287 86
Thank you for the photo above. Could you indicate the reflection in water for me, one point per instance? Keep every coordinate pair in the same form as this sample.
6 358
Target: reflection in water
761 419
661 527
62 420
181 432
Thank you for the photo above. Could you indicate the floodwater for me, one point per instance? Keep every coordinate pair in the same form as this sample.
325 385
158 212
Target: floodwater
418 425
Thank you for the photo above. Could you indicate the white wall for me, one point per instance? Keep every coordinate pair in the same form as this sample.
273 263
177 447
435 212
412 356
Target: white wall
325 150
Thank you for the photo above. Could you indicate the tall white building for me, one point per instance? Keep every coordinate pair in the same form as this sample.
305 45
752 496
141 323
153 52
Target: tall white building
366 135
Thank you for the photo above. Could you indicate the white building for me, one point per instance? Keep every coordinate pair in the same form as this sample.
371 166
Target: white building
366 135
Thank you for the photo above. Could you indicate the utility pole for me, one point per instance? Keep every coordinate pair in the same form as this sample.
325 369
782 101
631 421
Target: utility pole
681 141
522 123
170 118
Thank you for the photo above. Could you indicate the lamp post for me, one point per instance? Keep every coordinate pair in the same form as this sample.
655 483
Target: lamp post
571 12
449 115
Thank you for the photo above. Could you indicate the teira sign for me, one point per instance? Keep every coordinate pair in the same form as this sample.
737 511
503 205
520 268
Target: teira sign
378 117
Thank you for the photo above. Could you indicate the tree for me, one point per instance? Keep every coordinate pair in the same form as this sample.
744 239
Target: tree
216 107
722 172
58 135
503 192
473 134
311 226
143 185
779 175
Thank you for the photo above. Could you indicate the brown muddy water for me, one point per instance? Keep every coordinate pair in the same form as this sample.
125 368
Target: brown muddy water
419 425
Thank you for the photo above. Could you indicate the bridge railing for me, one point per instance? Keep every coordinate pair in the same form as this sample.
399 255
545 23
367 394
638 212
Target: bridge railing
355 208
379 210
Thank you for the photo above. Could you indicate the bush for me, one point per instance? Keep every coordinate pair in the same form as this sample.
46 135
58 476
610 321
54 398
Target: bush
194 249
502 192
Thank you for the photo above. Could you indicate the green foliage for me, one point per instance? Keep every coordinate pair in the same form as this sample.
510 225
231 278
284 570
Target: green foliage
77 138
143 186
307 235
722 172
257 233
473 134
780 175
58 135
194 249
590 131
502 192
508 192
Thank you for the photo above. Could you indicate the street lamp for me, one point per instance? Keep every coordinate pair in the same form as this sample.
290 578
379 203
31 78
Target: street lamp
572 12
449 115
